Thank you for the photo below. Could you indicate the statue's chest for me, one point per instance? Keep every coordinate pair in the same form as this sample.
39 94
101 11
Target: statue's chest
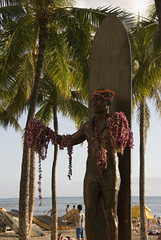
97 134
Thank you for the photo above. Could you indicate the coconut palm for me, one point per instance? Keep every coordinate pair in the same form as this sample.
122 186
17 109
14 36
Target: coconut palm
25 28
40 20
158 11
146 77
53 101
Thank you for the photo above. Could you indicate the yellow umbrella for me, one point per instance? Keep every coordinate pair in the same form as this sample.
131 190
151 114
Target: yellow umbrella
148 215
136 212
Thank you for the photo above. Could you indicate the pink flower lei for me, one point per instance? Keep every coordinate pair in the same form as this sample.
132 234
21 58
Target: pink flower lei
120 134
67 142
119 131
101 150
38 137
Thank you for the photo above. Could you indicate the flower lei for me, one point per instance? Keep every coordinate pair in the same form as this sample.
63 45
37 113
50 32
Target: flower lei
120 134
67 142
119 131
38 137
101 151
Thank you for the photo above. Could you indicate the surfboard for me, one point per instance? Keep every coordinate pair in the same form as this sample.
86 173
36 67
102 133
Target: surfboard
110 68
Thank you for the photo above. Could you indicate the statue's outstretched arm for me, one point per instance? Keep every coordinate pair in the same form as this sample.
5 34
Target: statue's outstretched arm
76 138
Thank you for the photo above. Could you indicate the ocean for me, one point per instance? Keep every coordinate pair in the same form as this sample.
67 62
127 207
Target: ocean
154 203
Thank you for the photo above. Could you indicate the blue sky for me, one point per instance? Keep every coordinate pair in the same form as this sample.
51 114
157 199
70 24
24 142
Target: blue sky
11 149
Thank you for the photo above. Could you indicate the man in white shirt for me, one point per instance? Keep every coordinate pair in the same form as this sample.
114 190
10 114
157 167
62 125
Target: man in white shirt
80 222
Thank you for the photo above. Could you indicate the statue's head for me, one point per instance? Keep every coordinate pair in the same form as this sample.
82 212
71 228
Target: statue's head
105 94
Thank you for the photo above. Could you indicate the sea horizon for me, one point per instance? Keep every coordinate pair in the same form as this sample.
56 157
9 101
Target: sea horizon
80 196
153 202
75 197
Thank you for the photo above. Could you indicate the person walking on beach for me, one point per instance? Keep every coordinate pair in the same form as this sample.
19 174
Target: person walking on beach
80 222
67 209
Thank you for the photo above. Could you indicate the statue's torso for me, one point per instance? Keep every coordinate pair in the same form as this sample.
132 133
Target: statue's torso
111 173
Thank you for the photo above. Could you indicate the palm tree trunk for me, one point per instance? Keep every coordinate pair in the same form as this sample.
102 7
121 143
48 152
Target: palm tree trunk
24 196
24 215
143 230
54 233
158 11
31 187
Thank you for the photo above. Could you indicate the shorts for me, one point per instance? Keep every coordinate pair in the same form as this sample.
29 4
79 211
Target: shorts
80 232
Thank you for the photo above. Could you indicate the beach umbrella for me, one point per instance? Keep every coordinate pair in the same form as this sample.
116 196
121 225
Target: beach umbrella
136 212
148 215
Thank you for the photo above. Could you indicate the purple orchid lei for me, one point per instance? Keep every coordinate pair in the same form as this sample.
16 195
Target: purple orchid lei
119 131
120 134
38 137
101 152
67 142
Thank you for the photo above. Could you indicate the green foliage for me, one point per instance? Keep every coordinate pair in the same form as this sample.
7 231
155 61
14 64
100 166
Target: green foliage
70 34
51 98
146 58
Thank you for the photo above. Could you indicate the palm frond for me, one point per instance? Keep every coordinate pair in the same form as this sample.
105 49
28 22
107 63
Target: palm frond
151 11
75 110
155 97
95 16
7 120
45 113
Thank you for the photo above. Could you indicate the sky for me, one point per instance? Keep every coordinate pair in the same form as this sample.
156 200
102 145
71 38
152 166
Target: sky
11 146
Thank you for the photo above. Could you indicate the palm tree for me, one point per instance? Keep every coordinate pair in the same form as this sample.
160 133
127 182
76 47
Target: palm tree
40 30
158 11
25 28
53 101
146 77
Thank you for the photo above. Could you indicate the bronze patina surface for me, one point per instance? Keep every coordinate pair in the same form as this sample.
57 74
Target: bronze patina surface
110 68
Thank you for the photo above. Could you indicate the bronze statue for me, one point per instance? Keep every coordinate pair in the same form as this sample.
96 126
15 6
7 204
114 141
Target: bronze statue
106 135
102 178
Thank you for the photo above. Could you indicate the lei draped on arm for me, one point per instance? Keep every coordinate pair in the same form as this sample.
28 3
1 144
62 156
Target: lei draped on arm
38 137
119 131
67 142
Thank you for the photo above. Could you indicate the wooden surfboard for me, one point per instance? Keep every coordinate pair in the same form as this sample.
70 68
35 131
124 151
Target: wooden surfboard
110 68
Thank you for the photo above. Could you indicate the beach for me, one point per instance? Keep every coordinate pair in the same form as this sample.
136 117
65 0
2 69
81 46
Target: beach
12 203
71 233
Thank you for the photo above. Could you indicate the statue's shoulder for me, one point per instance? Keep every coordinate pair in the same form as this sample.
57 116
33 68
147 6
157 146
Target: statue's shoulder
118 116
85 125
85 128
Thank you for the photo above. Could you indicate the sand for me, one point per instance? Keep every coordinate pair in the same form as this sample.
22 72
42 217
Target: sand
10 235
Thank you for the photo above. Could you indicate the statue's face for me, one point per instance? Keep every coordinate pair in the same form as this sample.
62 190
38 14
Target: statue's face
99 104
